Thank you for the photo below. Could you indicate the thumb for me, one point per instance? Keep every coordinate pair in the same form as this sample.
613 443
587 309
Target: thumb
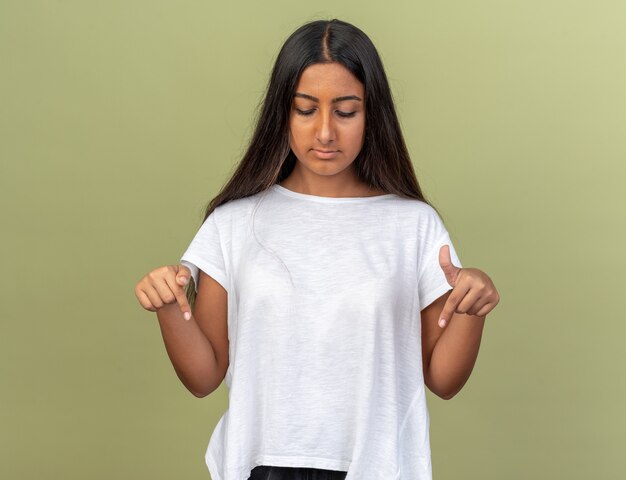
182 275
445 262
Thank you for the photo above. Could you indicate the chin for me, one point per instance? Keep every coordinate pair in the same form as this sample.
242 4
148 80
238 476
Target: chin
322 166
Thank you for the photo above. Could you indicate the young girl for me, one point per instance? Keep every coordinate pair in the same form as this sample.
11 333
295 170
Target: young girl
320 275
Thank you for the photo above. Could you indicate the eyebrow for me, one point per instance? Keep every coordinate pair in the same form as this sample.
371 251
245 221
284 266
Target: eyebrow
334 100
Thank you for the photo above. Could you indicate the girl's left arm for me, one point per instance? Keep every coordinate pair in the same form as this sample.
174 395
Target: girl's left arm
449 353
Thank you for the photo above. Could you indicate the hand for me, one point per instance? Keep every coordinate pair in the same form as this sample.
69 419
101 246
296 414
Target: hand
473 294
164 286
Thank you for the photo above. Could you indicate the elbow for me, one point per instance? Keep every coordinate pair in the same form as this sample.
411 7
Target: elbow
201 394
198 394
439 389
451 392
204 389
442 386
448 392
442 392
447 396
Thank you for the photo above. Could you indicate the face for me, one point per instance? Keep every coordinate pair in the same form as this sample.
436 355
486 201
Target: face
327 114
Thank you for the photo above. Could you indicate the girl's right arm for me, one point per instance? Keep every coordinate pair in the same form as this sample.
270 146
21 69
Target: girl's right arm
188 347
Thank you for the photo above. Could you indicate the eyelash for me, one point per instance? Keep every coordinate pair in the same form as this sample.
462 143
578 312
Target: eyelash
341 114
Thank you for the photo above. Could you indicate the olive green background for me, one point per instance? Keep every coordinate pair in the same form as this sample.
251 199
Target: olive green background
119 121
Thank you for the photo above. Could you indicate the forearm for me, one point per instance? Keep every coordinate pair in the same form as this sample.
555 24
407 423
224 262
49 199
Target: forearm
189 351
454 354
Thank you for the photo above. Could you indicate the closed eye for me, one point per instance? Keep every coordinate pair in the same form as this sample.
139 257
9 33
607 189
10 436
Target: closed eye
340 113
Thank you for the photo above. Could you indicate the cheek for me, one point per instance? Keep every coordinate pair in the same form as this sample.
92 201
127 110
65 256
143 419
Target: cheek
356 136
296 135
293 134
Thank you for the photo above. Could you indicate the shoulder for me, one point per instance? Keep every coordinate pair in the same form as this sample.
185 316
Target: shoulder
235 212
237 206
415 208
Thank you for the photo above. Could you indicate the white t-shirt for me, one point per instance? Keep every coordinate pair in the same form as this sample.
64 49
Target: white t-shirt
324 300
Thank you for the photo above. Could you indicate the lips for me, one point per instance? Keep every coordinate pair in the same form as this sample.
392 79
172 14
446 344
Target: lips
326 154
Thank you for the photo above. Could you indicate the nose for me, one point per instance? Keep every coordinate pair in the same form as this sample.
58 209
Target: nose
325 128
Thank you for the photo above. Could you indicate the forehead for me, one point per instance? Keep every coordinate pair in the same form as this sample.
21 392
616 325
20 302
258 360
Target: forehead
329 80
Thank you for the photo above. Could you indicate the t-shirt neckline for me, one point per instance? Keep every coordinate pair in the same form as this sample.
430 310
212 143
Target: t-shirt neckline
317 198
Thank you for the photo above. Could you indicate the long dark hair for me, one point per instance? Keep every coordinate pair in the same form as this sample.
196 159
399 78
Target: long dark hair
383 161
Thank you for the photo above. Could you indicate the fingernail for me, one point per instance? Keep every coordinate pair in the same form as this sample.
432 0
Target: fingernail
442 322
184 280
187 315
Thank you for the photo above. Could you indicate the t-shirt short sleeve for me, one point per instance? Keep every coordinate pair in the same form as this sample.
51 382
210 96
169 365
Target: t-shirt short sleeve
205 252
432 282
